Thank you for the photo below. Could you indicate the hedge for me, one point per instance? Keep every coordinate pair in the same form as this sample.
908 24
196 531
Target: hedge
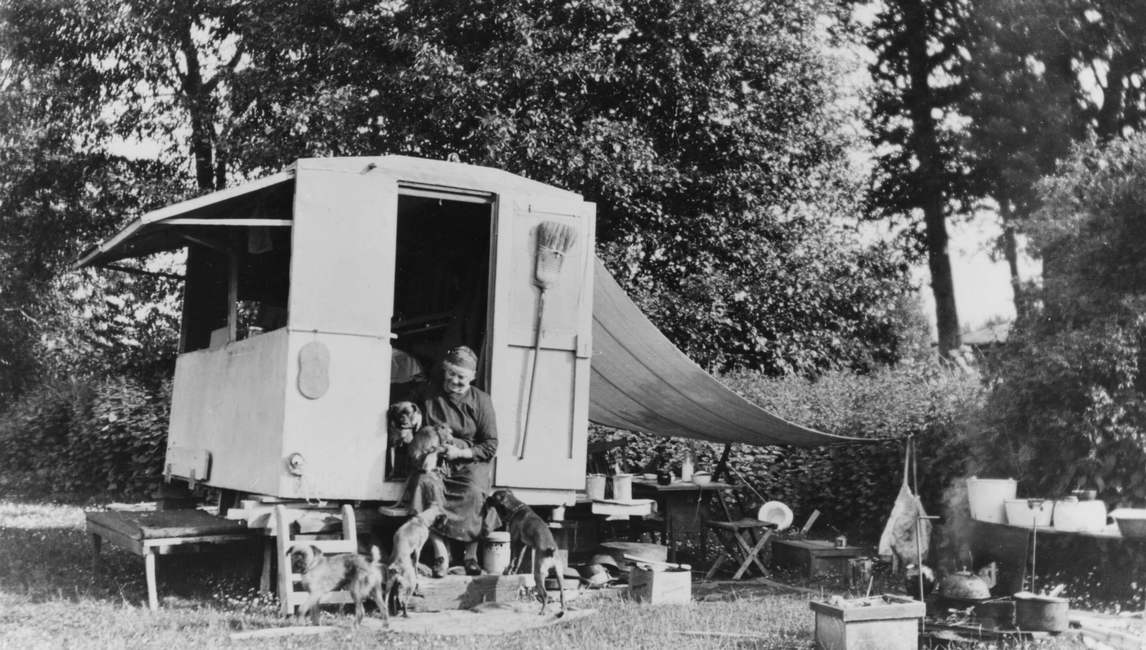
79 437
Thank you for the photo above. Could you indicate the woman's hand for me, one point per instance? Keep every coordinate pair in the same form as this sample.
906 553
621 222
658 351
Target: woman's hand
454 453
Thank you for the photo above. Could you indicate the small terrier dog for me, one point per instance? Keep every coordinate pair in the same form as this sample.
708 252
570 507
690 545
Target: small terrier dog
322 574
403 419
402 573
427 444
528 529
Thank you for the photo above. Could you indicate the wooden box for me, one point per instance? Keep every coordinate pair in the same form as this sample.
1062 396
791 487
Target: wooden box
660 587
814 557
877 623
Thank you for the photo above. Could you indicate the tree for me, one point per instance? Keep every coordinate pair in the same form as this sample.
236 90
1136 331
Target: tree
1070 402
1042 75
701 130
158 70
1021 101
58 192
920 174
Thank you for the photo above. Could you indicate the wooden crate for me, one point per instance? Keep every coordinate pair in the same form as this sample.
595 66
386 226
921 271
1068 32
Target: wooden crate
814 557
660 587
877 623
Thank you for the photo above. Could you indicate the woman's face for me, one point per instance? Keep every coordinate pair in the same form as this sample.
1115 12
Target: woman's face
457 380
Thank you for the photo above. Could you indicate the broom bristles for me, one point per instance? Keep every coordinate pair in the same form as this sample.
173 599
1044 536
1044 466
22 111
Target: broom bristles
556 236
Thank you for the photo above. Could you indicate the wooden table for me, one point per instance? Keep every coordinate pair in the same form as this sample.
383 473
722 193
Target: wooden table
680 504
150 533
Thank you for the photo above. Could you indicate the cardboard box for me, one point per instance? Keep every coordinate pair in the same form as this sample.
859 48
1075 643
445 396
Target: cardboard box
660 586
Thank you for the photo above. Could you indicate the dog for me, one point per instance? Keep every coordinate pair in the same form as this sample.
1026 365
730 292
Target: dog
409 539
426 446
403 419
322 574
528 529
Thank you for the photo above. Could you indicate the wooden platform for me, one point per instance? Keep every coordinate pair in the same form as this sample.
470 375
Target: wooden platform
161 532
465 592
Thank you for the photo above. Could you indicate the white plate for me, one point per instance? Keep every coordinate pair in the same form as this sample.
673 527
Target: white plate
775 512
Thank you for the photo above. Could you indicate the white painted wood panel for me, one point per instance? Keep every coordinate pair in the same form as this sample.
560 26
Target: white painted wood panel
342 434
229 403
342 259
554 455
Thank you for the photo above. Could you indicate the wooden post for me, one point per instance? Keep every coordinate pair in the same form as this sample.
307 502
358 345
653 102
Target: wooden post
349 527
282 542
96 563
149 570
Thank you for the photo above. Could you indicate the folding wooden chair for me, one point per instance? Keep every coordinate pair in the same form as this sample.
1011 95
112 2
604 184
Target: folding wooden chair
743 540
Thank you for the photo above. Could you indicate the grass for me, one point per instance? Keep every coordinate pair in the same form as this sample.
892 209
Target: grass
50 598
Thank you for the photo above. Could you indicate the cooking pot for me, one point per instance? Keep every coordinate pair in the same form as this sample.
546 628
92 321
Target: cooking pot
963 589
1041 613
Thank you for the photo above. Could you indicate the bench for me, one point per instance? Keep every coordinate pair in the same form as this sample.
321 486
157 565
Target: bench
152 533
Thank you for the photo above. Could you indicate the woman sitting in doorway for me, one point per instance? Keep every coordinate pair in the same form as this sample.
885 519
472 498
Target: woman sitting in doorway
468 412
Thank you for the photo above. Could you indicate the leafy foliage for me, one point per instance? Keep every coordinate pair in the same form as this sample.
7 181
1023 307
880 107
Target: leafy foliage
704 133
1068 407
104 437
59 192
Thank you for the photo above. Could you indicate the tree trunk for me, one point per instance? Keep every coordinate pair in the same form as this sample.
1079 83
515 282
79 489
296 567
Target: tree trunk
199 106
1109 119
924 143
1011 253
942 279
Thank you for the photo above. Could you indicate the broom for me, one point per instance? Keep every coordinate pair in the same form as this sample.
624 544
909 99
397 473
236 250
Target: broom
553 241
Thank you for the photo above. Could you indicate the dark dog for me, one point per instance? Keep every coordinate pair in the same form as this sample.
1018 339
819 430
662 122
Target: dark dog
403 419
322 574
402 572
530 530
425 448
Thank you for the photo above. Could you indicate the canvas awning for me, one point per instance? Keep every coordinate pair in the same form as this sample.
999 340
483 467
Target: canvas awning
642 382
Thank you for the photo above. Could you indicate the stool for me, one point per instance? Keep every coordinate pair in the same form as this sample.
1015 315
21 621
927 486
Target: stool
160 532
743 540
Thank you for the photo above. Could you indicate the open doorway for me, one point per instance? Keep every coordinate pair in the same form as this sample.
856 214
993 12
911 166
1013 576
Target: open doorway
441 283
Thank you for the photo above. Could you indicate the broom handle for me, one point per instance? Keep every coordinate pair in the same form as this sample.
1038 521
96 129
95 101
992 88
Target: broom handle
532 373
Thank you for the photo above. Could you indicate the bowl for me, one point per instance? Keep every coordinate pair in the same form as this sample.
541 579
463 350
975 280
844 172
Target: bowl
776 512
701 478
1131 521
1074 516
1020 512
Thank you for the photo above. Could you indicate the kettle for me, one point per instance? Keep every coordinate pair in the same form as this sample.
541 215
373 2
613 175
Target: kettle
967 587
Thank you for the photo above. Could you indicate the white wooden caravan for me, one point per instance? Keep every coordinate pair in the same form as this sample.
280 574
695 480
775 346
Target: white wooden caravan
299 286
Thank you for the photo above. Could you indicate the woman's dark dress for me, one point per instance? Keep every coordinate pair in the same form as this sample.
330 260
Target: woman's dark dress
467 485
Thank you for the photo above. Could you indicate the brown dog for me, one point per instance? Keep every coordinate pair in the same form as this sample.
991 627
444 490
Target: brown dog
403 419
322 574
530 530
426 446
402 572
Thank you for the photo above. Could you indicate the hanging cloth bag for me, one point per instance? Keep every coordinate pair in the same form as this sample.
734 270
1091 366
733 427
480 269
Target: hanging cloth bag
899 535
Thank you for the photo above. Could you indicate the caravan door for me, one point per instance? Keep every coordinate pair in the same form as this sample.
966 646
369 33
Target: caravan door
539 378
